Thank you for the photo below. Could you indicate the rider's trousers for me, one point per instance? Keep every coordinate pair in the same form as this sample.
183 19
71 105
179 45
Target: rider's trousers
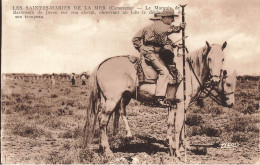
152 55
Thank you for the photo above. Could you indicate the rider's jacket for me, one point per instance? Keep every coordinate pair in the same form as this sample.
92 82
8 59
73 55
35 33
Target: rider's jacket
155 34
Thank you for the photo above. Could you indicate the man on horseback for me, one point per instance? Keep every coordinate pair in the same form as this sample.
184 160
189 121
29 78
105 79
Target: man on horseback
169 44
150 42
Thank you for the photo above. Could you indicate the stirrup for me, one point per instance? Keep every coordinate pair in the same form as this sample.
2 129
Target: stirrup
163 102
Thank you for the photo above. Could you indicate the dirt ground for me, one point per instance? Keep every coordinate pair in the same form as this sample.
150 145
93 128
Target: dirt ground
42 124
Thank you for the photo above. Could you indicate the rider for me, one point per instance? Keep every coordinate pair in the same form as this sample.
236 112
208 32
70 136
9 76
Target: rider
168 46
149 42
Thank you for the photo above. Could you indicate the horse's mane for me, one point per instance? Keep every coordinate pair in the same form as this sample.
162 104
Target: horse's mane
196 59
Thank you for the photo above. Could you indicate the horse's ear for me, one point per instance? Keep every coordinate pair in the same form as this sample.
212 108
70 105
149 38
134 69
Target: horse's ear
207 44
224 45
204 57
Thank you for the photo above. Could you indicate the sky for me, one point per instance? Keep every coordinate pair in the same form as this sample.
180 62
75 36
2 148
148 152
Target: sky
77 43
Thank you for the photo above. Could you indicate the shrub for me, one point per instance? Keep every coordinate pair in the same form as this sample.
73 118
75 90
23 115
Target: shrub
67 91
70 103
83 92
53 123
239 137
27 131
242 124
23 107
67 146
211 131
29 96
66 135
16 95
53 158
193 119
252 128
250 108
196 131
7 102
77 133
54 96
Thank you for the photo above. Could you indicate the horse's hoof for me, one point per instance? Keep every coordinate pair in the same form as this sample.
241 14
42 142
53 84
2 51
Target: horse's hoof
178 156
178 160
130 137
186 144
109 155
115 132
171 151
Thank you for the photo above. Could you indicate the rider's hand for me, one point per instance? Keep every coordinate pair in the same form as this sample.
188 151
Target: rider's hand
179 46
142 50
183 25
168 47
173 45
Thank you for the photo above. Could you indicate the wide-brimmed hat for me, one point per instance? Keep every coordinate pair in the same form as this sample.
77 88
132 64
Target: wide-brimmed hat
157 16
169 13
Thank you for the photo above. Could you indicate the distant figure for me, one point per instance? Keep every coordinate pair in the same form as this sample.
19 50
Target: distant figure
52 79
73 79
83 78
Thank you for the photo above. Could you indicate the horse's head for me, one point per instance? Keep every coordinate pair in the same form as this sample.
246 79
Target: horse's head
214 58
228 85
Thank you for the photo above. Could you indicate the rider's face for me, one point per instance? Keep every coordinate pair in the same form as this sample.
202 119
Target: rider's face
168 20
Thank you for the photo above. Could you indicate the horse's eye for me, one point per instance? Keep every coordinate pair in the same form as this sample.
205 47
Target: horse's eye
209 59
228 85
223 60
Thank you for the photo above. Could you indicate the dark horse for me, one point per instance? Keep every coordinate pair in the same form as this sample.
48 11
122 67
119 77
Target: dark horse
114 82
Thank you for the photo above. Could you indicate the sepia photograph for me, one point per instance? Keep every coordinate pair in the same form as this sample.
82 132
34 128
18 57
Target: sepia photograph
130 82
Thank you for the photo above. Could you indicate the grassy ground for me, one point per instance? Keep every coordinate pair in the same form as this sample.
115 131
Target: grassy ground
42 123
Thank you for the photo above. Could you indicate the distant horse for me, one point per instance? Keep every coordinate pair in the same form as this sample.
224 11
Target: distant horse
114 82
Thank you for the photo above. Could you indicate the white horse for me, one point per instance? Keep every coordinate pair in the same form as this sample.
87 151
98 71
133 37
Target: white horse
114 83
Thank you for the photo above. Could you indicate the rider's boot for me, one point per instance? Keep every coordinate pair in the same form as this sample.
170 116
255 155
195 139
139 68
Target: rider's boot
160 101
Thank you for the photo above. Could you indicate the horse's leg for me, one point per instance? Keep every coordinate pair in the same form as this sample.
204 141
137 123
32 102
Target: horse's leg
116 119
121 111
169 131
124 102
103 122
178 127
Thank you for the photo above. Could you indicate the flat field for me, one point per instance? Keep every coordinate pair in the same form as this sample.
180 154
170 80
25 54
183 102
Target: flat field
42 123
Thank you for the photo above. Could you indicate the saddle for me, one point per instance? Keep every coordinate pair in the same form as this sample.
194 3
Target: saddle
147 75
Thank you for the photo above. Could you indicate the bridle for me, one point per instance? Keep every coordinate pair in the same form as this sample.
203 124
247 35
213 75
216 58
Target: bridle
206 90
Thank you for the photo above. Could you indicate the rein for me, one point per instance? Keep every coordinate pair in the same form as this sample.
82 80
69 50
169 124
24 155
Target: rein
203 89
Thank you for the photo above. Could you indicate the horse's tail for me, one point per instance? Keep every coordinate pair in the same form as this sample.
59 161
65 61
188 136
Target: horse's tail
92 109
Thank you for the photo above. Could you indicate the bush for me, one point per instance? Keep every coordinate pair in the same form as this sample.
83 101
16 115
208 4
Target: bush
23 107
54 158
71 134
53 123
66 135
242 124
239 137
251 108
196 131
211 131
193 119
70 103
16 95
8 103
27 131
252 128
54 96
